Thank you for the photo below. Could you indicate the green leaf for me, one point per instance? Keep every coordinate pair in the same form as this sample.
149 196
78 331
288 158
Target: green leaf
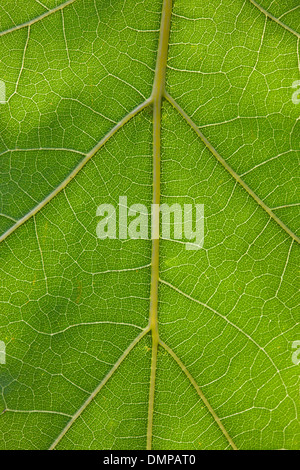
140 343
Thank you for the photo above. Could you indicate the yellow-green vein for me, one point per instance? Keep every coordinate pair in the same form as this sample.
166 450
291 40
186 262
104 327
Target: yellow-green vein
38 18
273 18
156 97
229 169
99 387
200 393
76 170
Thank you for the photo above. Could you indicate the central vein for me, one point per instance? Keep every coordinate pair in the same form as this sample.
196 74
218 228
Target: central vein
157 96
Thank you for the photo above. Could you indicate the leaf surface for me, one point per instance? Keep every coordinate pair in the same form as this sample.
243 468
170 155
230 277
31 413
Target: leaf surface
133 343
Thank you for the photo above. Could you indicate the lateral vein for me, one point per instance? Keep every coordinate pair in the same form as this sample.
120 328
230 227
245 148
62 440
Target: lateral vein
272 17
38 18
200 393
156 97
76 170
261 348
229 169
99 387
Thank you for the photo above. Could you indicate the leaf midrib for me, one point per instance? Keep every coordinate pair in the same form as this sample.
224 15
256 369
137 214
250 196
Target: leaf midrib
157 95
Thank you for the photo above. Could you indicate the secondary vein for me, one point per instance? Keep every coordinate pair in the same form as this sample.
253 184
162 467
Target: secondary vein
38 18
272 17
76 170
200 393
100 386
230 170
